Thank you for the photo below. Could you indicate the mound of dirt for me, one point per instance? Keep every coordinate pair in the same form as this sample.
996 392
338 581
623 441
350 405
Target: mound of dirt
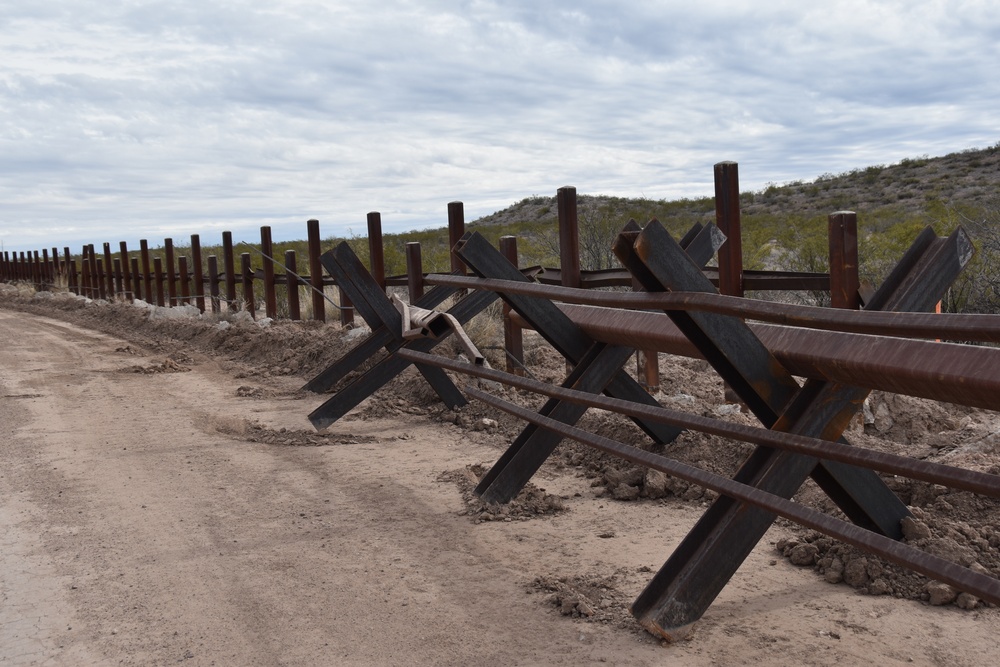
531 503
166 366
596 599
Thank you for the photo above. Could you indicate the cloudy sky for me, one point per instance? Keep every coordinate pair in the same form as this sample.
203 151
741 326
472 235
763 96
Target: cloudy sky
122 120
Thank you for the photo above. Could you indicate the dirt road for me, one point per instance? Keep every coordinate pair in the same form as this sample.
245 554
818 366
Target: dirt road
140 525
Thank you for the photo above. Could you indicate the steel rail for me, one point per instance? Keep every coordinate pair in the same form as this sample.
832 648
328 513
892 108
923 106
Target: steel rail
964 374
984 328
980 585
935 473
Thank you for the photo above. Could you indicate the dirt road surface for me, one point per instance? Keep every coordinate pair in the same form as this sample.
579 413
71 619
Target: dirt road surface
140 525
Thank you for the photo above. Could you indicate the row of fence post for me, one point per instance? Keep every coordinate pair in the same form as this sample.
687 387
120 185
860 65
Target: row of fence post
171 281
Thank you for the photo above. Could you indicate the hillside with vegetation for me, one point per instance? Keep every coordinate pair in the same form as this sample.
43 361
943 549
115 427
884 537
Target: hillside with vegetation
784 225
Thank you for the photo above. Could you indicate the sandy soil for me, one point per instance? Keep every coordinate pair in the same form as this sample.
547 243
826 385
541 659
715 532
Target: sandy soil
164 506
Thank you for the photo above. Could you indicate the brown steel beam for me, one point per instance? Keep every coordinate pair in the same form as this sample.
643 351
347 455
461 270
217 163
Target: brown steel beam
984 328
893 464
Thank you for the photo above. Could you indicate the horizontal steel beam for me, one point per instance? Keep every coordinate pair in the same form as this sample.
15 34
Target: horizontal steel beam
893 464
963 374
752 280
982 328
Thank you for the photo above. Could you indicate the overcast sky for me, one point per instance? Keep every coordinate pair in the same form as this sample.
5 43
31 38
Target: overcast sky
128 120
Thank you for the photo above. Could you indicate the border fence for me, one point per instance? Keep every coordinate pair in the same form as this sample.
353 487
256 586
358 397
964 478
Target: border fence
802 371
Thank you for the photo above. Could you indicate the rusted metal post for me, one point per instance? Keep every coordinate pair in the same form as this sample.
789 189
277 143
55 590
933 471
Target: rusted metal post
84 272
67 258
199 276
158 278
249 300
414 271
182 262
569 241
456 230
229 266
127 283
96 275
147 285
119 280
376 253
569 237
46 273
316 271
270 295
109 266
727 219
73 277
292 286
135 278
36 270
513 338
168 248
213 283
844 279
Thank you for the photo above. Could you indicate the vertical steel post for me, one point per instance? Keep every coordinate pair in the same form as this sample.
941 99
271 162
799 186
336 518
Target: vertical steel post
135 278
229 266
199 276
316 270
182 269
376 253
249 300
127 283
414 271
727 219
844 280
147 285
456 230
168 249
569 237
96 276
270 295
213 283
111 276
292 286
158 279
119 279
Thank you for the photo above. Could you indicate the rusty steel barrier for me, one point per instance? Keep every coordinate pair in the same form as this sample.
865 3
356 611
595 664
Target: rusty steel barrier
841 354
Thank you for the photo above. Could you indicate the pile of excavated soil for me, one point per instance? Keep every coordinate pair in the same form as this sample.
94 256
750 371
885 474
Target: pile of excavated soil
956 525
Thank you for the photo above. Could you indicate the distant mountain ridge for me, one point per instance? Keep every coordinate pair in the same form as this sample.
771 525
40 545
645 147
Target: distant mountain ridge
970 177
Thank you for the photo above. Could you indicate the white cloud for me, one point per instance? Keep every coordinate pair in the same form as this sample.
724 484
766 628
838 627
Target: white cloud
156 118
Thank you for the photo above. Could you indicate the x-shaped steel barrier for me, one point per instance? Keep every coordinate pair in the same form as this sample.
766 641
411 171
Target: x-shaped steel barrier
387 332
597 367
709 556
722 539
